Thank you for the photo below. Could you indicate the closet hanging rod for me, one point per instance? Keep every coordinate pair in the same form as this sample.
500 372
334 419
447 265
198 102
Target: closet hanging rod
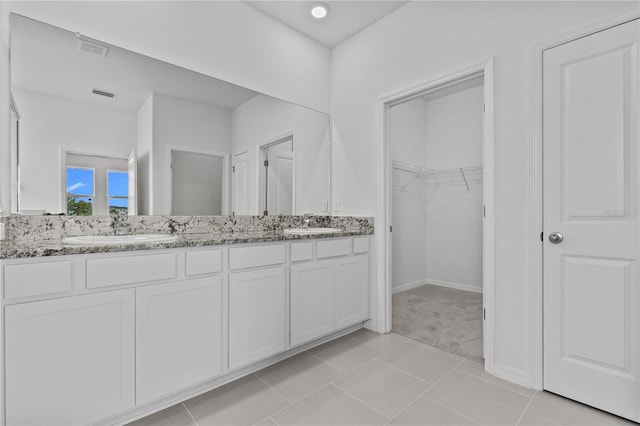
465 179
412 168
417 174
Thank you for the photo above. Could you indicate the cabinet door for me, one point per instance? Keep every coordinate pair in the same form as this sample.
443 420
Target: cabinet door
256 315
70 361
179 335
351 290
311 300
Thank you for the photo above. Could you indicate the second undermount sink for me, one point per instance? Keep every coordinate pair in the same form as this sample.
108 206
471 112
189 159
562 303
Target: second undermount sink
311 231
118 239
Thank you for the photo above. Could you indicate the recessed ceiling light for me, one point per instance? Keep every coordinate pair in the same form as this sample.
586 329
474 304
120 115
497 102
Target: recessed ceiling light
319 10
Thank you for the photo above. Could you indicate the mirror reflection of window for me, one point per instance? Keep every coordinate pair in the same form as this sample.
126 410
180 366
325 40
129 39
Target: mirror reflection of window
95 184
80 191
118 191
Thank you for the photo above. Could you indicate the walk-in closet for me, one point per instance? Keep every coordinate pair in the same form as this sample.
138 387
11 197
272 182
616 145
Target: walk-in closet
437 214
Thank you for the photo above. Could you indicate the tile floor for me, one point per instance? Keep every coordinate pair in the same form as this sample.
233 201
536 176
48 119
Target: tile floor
370 379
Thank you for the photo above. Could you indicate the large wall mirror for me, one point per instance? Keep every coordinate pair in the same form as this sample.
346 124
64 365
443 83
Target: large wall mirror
102 129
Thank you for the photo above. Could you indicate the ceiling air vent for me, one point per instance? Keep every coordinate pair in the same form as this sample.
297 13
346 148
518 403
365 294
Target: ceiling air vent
103 93
92 47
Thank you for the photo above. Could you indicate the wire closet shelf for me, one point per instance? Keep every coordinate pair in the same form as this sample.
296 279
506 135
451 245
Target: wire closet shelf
460 176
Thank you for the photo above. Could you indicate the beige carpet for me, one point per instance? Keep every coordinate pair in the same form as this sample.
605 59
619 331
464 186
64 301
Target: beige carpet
448 319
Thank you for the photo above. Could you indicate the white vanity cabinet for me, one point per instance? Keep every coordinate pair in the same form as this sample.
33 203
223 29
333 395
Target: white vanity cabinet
351 277
178 335
329 291
70 360
311 300
106 337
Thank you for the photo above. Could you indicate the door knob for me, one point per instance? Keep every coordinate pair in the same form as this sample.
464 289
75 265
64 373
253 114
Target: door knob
556 237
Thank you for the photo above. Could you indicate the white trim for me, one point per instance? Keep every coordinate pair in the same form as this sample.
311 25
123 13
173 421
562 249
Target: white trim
511 374
439 283
408 286
536 337
455 286
169 177
383 292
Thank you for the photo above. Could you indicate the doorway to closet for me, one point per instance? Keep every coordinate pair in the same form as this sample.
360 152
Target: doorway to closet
439 254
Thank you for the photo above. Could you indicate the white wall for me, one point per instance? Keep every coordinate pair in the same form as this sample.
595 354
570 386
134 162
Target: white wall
423 40
197 184
408 136
454 216
188 125
144 152
437 231
264 119
49 123
224 39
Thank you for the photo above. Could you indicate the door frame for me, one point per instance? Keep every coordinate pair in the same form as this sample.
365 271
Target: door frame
381 321
268 143
536 177
169 174
232 191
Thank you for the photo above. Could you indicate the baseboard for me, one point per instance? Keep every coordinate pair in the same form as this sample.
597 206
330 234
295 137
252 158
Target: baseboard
512 374
408 286
439 283
457 286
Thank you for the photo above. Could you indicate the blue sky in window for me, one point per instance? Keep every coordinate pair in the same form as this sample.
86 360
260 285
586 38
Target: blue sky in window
118 184
79 181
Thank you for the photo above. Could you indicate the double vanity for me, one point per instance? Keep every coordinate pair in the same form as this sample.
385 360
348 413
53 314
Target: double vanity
106 333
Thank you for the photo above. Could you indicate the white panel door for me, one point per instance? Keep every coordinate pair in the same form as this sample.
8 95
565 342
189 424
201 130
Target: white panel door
257 312
311 300
70 361
590 103
280 192
351 280
178 336
240 184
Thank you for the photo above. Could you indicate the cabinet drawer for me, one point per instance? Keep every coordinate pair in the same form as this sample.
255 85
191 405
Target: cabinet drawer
34 279
130 269
301 251
360 245
331 248
250 257
203 262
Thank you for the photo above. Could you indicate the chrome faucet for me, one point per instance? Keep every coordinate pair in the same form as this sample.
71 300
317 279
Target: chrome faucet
304 221
121 225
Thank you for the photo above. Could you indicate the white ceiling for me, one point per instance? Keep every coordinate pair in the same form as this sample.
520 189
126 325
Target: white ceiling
46 59
345 18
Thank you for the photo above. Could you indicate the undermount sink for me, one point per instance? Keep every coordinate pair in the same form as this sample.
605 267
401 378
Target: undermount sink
311 231
118 239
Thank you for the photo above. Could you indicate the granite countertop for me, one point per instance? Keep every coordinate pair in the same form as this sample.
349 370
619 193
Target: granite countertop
55 247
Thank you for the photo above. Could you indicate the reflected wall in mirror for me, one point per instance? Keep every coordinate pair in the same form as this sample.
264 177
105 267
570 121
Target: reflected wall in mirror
201 142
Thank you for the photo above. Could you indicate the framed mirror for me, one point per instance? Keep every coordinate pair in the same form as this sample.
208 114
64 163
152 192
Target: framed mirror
104 129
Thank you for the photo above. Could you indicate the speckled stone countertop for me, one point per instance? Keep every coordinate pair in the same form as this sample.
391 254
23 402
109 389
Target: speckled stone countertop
38 236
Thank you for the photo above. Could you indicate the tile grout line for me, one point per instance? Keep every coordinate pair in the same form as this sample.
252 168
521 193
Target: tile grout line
452 410
425 391
360 401
329 364
381 350
273 389
189 413
493 383
405 372
526 408
273 420
300 400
